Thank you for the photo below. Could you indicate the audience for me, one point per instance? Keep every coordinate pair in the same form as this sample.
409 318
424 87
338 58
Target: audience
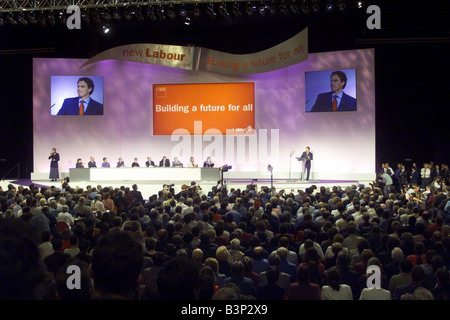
254 243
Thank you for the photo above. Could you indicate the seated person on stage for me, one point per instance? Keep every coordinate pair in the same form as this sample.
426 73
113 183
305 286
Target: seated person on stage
149 162
208 163
105 163
92 164
135 163
164 162
191 163
120 163
177 163
79 164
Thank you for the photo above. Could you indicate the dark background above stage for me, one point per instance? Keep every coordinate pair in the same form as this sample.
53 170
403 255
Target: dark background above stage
411 67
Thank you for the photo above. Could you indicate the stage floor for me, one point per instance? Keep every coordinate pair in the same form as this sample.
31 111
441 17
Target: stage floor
150 188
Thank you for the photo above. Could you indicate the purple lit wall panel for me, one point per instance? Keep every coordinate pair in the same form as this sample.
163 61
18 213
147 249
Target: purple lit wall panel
342 143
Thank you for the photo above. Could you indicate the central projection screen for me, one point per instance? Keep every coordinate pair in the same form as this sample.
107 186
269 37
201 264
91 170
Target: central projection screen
343 143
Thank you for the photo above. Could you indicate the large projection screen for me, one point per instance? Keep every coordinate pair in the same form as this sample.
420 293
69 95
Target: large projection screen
343 143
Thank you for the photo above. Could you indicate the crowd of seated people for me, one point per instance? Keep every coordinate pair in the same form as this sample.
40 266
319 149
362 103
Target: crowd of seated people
251 244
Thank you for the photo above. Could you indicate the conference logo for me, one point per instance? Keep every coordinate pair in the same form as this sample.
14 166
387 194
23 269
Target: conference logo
373 277
74 21
374 21
251 148
74 280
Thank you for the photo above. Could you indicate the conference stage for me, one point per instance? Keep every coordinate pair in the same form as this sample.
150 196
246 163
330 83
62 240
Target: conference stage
247 121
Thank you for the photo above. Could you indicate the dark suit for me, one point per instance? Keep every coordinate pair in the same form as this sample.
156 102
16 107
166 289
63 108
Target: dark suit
92 164
324 103
71 105
149 163
307 159
166 164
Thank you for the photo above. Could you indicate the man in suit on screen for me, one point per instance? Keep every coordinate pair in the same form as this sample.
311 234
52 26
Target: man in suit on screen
83 104
337 99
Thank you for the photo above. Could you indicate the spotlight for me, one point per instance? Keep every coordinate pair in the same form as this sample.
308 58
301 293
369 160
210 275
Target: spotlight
62 17
262 9
342 6
304 7
106 28
85 17
2 22
95 18
183 12
51 19
116 15
272 9
138 15
32 18
170 13
10 19
42 21
211 12
22 19
315 6
187 21
359 4
196 11
329 6
105 15
161 14
150 14
250 9
235 9
283 8
294 8
223 10
127 14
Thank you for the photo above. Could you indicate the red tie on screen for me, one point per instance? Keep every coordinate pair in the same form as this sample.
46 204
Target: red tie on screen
81 109
335 103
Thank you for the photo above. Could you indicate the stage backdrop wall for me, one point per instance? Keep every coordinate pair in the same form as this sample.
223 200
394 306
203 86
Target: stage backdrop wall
343 143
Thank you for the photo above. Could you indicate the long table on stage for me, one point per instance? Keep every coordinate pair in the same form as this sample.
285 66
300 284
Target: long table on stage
144 174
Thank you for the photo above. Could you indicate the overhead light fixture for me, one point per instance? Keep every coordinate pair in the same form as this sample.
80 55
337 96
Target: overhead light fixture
196 11
329 6
315 6
150 14
223 10
32 18
250 9
85 17
171 13
116 15
51 19
187 21
359 4
304 7
272 9
236 10
106 15
21 19
161 13
127 14
10 19
183 12
294 7
262 9
106 28
62 17
210 11
283 8
42 21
